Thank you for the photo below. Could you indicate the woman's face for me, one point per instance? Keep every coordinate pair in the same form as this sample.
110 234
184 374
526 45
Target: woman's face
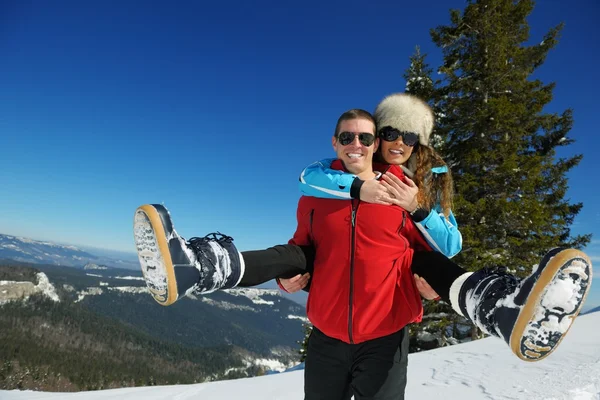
395 152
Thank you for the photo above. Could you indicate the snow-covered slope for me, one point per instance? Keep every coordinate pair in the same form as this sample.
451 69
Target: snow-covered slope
484 369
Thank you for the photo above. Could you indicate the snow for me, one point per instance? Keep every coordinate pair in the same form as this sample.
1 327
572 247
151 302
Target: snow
133 278
254 294
483 369
46 287
28 288
300 317
225 305
272 365
91 291
129 289
425 336
436 315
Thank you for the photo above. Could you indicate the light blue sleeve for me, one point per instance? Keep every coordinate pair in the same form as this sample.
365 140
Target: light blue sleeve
442 234
319 180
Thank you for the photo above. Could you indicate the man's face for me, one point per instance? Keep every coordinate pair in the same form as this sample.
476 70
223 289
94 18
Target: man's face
356 156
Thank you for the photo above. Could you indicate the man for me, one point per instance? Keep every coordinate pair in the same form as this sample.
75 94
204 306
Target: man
362 292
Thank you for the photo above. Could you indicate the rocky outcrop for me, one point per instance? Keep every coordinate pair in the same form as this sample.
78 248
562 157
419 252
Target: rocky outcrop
11 290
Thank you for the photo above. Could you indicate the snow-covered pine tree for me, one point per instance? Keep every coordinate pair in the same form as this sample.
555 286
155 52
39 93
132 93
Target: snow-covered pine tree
510 185
418 77
492 129
419 82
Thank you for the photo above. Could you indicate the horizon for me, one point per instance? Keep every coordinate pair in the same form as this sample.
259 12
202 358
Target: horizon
592 301
213 110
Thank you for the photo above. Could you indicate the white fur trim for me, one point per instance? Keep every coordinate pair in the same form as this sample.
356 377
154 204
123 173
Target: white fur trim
406 113
455 291
242 268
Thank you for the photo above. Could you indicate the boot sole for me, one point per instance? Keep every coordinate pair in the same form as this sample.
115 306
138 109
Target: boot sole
534 336
154 255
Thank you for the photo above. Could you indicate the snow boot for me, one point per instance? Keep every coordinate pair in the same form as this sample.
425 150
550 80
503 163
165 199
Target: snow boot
174 268
531 315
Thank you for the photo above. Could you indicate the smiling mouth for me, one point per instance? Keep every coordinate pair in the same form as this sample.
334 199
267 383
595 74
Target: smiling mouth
397 152
354 155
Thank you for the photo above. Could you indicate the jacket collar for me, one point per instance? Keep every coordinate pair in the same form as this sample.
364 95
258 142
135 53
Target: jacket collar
377 167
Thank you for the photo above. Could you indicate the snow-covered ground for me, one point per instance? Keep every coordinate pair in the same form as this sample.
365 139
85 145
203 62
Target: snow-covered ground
484 369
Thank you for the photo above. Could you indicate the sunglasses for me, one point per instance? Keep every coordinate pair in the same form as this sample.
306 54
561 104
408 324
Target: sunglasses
390 134
345 138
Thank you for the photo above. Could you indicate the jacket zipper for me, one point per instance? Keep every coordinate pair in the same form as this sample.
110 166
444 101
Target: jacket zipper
351 296
400 231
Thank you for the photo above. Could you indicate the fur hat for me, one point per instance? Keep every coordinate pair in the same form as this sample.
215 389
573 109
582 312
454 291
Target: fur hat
406 113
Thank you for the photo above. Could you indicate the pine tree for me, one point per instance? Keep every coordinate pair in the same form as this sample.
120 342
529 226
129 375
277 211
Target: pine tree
304 342
510 202
418 77
419 82
500 144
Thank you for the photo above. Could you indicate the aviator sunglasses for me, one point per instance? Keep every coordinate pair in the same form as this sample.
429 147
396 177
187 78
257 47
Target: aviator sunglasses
390 134
345 138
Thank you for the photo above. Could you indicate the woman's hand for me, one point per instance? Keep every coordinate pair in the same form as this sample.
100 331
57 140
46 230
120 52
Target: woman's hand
424 289
402 194
372 191
296 283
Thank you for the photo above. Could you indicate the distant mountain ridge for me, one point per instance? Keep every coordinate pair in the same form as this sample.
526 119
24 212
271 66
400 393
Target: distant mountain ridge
32 251
45 252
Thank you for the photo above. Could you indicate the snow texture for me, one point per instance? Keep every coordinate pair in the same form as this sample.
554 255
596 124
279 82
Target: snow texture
483 369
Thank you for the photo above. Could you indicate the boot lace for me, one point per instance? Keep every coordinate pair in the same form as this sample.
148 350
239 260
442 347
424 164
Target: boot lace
211 237
197 243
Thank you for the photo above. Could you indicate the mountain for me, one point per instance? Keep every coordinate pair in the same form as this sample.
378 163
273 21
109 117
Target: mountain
69 313
44 252
483 369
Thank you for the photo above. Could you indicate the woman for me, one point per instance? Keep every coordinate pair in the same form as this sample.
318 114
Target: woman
407 123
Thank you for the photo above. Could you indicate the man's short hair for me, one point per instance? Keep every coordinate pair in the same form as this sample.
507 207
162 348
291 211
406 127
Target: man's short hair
355 113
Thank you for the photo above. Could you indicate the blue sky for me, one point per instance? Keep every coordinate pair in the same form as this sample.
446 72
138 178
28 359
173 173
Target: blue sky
214 108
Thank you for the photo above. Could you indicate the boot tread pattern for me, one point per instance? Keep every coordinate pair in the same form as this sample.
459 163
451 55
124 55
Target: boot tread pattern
552 306
150 246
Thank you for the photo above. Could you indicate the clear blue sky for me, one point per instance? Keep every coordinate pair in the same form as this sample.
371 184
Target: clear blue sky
214 108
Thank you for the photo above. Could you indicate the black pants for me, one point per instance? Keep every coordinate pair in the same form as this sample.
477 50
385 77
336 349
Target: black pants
282 261
286 261
372 370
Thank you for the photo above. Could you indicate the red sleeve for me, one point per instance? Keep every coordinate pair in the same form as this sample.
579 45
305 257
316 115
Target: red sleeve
302 235
280 285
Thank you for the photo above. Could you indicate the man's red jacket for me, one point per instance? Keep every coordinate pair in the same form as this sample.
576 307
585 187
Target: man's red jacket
362 285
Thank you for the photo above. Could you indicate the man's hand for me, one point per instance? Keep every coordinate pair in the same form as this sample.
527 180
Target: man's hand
372 191
296 283
402 194
426 291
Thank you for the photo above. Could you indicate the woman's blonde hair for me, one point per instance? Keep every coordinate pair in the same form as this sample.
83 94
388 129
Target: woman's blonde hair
433 188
